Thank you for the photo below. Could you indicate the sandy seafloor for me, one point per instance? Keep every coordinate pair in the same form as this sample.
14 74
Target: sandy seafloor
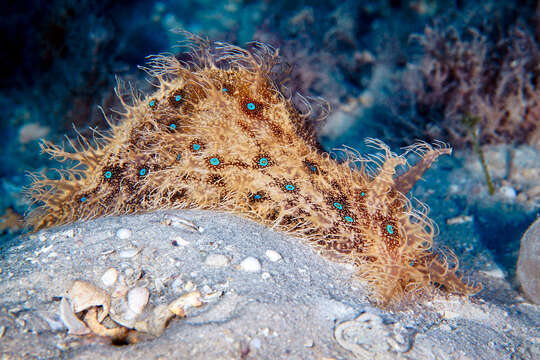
61 59
298 307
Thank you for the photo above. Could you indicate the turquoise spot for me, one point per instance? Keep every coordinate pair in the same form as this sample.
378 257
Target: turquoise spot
178 97
289 187
224 90
214 161
251 106
196 147
390 229
362 194
108 174
83 199
142 172
152 103
349 219
257 196
177 157
338 206
173 126
263 161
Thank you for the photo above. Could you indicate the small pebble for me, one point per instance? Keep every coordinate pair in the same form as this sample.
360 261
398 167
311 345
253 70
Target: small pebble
179 241
250 264
217 260
109 277
178 306
255 343
189 286
265 276
508 191
272 255
123 233
137 299
129 253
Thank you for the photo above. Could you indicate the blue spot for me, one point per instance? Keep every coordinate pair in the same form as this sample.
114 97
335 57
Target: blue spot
338 206
178 98
313 168
362 194
142 172
224 90
214 161
196 147
83 199
173 126
257 196
251 106
349 219
108 174
177 157
390 229
263 161
289 187
152 103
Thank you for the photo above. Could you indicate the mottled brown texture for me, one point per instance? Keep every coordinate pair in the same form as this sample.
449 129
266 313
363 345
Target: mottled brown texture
247 150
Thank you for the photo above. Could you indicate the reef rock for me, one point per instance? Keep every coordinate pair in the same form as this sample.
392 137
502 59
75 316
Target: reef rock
528 265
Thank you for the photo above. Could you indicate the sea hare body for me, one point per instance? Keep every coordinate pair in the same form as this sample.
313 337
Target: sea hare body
218 133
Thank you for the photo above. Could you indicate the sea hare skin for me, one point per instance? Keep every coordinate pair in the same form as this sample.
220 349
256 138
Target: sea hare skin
219 133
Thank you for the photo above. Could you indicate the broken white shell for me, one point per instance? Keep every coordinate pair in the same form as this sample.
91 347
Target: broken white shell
123 233
179 222
122 314
137 299
192 299
250 264
273 255
156 322
109 277
72 322
84 295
